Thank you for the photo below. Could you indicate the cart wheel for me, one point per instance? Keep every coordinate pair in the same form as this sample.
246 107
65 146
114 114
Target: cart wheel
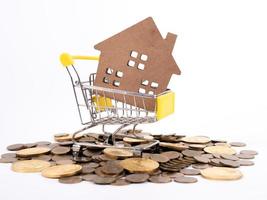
76 151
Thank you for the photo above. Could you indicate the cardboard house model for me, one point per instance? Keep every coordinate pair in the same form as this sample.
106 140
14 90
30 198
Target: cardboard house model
137 59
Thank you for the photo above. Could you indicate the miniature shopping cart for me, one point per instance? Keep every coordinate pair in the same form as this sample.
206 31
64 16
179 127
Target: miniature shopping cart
95 104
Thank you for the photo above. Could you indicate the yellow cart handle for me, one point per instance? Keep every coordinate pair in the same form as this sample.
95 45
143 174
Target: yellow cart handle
68 60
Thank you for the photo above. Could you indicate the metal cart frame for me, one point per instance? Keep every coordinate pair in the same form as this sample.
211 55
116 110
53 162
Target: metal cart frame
103 110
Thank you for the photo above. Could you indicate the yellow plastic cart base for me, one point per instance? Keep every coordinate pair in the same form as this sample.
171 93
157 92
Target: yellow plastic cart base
165 105
102 103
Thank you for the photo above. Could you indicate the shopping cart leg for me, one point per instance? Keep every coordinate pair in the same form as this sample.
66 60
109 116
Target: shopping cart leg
112 137
76 148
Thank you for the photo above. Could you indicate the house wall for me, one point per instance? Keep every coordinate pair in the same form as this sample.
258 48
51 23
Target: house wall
155 76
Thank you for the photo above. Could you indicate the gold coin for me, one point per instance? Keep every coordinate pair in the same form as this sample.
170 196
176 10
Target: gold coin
118 153
139 165
61 135
133 140
220 150
35 151
196 139
67 137
59 171
174 146
29 166
221 173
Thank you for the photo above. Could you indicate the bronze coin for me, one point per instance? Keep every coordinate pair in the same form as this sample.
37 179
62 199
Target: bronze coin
70 180
64 162
171 154
60 150
137 178
90 153
207 155
87 170
192 153
202 159
62 157
155 172
172 174
120 182
8 160
246 162
197 146
112 167
215 162
82 159
8 155
103 157
30 145
249 152
200 166
91 165
89 177
43 143
16 147
99 172
245 156
229 157
221 144
53 145
159 158
146 155
229 163
216 155
190 172
160 179
43 157
185 179
103 180
66 143
237 144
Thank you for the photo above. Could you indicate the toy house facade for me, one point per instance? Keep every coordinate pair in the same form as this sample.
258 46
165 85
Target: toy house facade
137 59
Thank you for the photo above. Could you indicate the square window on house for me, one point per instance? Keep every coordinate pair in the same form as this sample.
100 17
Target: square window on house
154 85
141 66
109 71
134 54
145 82
144 57
116 83
131 63
119 74
142 90
105 80
151 92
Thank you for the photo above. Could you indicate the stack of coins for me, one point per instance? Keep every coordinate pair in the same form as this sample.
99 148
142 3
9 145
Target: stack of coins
177 158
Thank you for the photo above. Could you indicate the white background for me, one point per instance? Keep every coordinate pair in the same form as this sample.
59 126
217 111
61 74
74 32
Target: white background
221 50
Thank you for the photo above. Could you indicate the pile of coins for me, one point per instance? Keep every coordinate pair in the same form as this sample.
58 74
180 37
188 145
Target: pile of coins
176 158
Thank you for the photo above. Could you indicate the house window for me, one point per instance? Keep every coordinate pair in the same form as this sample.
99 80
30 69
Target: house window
116 83
137 60
119 74
131 63
154 85
145 82
134 54
142 90
109 71
141 66
144 57
105 80
151 92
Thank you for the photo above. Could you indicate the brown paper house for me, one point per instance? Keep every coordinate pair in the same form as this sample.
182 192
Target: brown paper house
137 59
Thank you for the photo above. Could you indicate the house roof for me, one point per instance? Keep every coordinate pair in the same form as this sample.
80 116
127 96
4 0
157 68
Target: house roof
144 34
